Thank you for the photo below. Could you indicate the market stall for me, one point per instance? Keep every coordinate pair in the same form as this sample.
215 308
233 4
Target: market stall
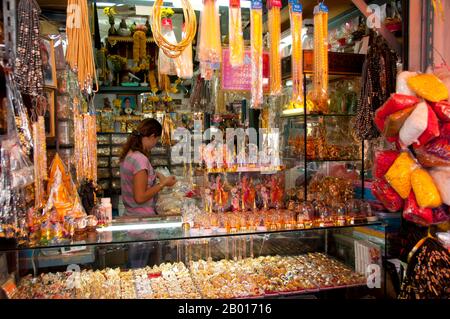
244 150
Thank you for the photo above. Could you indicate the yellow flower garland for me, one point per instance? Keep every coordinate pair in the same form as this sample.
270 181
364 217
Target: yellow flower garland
139 45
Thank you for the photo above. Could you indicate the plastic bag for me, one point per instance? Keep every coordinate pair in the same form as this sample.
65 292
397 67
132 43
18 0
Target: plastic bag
415 125
442 110
384 193
399 174
184 66
429 87
402 85
441 178
383 161
425 190
394 122
416 214
432 130
395 103
22 170
166 65
436 152
441 214
443 73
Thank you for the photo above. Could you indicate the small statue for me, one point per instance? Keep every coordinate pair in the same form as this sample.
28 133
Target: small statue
208 200
235 199
276 191
220 196
106 104
265 196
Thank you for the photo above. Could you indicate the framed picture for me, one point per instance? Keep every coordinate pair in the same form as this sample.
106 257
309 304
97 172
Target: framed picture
49 116
48 62
60 59
128 103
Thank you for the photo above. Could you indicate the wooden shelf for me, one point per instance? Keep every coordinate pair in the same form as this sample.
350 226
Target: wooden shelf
123 89
117 38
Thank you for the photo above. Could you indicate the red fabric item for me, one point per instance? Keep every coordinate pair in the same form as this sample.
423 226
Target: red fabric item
442 110
441 214
384 193
436 152
416 214
383 161
395 103
432 130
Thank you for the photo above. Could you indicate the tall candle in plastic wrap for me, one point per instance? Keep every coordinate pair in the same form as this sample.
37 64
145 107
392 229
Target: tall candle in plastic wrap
274 43
295 12
210 47
256 39
235 34
319 93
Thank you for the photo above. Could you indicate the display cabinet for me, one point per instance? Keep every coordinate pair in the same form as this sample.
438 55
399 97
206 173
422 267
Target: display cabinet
158 258
320 148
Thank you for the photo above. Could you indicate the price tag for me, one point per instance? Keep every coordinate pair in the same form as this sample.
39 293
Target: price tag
235 3
297 7
256 4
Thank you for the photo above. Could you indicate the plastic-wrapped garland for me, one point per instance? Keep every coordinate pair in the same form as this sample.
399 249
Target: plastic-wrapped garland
235 35
256 38
274 43
320 66
28 63
40 161
139 46
85 153
210 46
79 53
295 12
167 129
174 50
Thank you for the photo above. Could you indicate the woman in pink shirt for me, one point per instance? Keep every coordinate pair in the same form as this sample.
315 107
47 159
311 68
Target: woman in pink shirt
138 178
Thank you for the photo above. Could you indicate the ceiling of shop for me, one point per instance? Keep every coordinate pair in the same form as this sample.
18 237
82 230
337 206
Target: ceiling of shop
336 6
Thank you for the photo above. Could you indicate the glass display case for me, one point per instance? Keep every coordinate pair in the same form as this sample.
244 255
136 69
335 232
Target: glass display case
160 258
334 159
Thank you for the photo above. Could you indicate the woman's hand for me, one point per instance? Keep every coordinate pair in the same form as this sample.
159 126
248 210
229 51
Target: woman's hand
168 181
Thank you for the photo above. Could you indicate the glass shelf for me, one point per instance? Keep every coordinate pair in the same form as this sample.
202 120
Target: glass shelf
157 229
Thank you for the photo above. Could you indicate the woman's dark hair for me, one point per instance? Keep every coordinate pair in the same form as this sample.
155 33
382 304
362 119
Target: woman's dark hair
146 128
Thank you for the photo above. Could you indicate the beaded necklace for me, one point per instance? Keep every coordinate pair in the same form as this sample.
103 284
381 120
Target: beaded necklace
28 62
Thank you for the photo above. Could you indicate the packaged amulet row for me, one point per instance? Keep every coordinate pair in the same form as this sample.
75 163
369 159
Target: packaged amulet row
85 137
274 42
295 12
235 34
256 38
40 160
319 94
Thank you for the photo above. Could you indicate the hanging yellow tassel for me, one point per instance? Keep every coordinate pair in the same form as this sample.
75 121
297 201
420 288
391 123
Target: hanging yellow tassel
256 54
319 94
235 33
274 43
295 12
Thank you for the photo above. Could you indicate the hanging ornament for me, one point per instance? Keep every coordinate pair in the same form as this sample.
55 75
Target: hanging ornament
235 35
319 93
274 44
295 12
256 39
